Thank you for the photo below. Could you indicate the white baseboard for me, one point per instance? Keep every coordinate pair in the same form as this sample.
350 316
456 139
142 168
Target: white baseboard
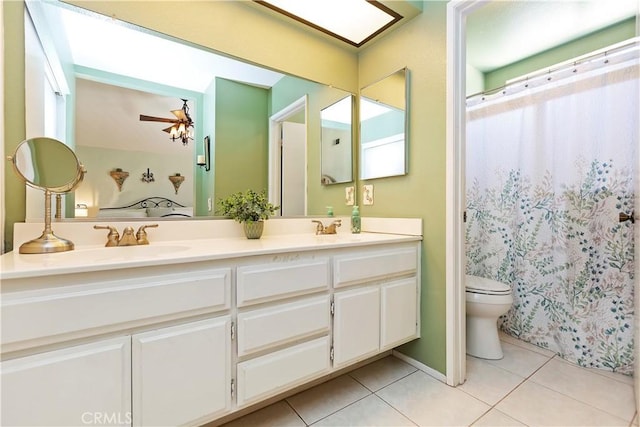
421 366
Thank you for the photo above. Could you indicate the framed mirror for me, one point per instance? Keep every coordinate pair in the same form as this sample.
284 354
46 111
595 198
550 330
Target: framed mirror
229 99
383 127
336 142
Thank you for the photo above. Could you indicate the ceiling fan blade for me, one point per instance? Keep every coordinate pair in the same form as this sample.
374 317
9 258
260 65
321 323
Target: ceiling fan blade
180 115
156 119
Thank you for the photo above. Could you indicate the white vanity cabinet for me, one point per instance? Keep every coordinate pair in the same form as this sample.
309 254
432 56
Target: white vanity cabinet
148 375
376 300
190 341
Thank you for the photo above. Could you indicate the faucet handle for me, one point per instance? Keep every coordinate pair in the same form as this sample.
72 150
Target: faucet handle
141 235
112 237
319 227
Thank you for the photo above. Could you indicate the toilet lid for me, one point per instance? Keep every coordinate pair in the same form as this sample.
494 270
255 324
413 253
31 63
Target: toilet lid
482 285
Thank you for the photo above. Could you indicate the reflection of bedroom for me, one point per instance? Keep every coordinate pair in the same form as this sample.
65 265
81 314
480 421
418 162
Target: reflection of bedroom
110 135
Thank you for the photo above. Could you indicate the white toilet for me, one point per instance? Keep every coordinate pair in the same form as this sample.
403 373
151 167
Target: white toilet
486 301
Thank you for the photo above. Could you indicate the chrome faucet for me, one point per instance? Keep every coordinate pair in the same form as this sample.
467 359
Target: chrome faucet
329 229
128 238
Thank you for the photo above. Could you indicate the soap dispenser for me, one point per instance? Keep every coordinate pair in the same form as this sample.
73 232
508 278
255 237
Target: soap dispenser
355 220
330 211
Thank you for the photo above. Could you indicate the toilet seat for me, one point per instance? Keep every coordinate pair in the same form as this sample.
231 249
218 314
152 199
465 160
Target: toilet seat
484 286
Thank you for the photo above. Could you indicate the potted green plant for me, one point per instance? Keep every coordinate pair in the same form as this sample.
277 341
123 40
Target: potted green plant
250 209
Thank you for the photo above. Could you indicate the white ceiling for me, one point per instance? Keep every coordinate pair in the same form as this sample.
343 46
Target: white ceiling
104 44
502 32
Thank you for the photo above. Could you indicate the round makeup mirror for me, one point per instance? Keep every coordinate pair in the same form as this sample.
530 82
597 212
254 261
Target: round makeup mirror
51 166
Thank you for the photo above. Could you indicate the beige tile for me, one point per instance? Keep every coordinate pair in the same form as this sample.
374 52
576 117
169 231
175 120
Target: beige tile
598 391
381 373
488 382
428 402
536 405
495 418
370 411
327 398
278 414
515 341
627 379
518 360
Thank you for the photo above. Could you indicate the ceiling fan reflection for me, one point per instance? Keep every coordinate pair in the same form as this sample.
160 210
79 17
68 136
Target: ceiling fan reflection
182 126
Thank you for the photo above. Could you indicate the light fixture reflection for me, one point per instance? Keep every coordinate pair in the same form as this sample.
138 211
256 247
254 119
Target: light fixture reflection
352 21
82 210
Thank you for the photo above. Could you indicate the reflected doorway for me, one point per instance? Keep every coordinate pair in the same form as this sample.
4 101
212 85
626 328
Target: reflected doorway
288 159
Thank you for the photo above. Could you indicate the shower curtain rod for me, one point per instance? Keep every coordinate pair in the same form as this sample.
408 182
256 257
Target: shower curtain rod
600 53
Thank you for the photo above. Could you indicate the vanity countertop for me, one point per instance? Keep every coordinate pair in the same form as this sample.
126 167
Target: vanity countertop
97 257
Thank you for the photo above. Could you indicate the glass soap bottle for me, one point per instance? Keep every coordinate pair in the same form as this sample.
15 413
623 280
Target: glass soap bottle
355 220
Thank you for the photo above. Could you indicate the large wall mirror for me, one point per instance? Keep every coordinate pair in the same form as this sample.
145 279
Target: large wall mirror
109 78
383 127
336 142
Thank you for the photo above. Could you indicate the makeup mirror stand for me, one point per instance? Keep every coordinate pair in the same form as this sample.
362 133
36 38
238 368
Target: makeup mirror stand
48 241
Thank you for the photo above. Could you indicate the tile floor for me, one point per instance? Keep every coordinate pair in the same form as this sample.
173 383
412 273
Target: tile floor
530 386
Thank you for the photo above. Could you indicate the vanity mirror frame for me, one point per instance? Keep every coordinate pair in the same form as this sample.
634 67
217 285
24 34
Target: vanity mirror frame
389 143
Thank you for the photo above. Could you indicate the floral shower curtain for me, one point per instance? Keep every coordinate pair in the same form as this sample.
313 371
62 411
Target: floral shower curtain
549 169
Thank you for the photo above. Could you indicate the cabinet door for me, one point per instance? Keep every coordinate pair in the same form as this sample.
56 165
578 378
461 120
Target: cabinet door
88 384
399 313
181 374
356 327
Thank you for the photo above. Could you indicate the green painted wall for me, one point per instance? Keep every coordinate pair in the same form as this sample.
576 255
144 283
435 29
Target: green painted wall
14 114
241 138
419 45
285 92
589 43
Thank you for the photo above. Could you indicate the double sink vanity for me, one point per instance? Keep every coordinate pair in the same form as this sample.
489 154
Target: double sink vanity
202 322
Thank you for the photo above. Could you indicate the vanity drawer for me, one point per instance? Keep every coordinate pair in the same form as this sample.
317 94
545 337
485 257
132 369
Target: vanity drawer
269 282
374 265
59 314
269 327
282 370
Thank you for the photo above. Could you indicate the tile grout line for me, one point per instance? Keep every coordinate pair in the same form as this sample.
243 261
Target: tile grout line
524 380
396 409
340 409
526 345
296 412
582 402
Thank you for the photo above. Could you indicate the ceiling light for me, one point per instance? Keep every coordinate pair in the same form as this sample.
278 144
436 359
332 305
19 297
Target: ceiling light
352 21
